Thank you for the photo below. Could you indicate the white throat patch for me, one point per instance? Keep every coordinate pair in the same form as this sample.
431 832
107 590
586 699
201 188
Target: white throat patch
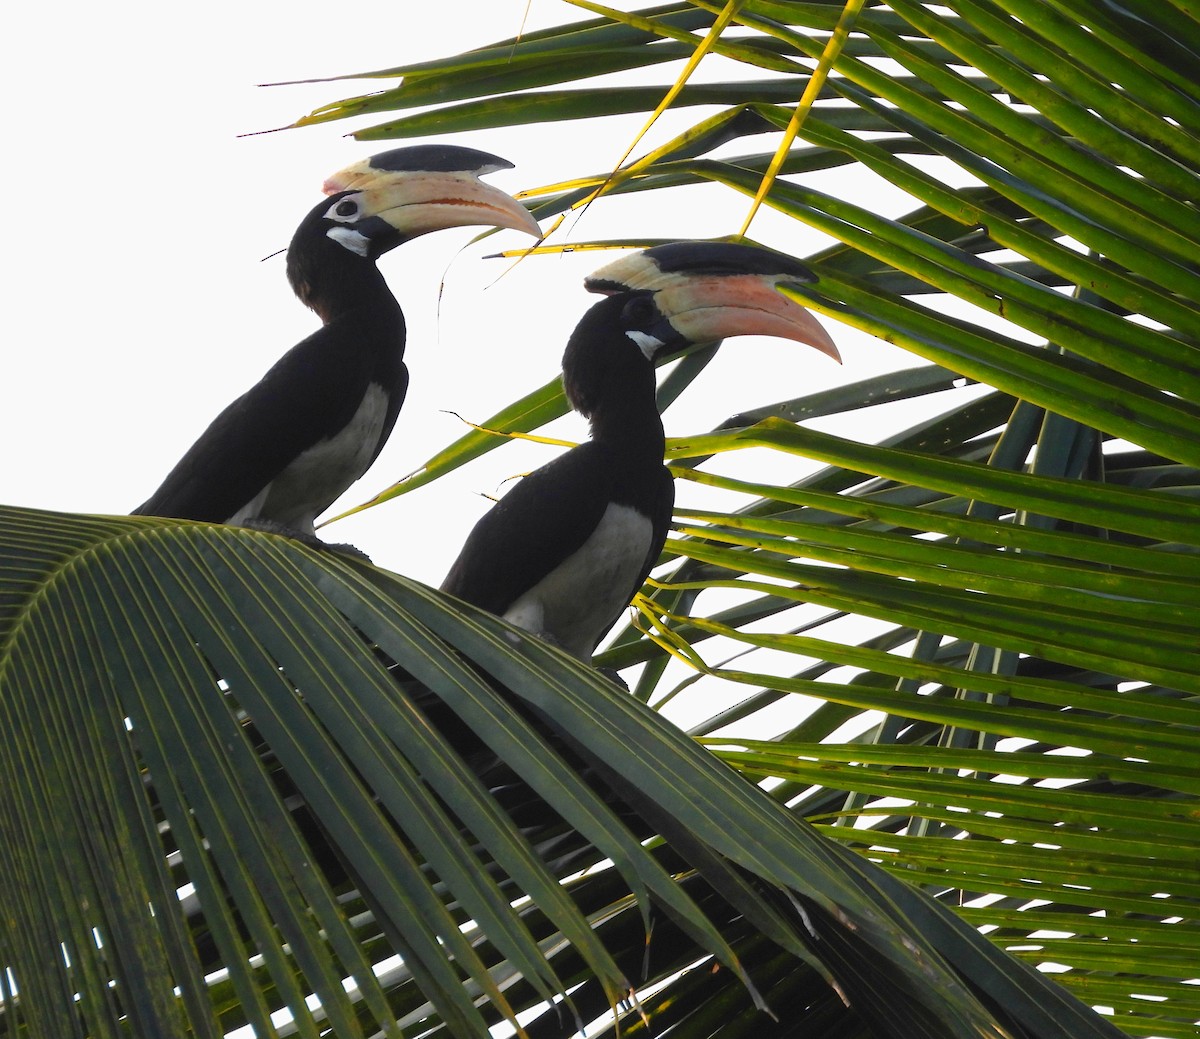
350 239
647 343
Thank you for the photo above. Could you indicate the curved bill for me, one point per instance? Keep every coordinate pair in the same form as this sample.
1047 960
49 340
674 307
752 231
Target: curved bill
713 290
430 187
707 307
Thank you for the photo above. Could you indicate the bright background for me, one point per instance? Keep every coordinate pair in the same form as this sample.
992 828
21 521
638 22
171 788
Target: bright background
142 199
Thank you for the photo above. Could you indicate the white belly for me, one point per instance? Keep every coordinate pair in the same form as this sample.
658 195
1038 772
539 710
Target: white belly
319 475
575 601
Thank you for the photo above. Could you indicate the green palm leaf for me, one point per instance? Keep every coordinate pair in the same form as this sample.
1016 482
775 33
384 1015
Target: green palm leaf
252 771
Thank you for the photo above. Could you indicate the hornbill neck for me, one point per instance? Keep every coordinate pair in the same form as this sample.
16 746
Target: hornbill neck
609 380
622 410
332 280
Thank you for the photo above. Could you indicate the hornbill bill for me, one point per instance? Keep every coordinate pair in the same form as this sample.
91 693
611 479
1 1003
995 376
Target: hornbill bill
564 552
281 453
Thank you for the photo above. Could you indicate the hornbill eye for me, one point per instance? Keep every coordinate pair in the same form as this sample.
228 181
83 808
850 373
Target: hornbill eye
640 310
346 208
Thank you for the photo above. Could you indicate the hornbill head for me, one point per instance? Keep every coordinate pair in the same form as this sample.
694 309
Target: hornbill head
381 202
669 297
710 290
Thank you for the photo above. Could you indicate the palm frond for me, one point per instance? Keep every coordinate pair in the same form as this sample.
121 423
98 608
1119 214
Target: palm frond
248 777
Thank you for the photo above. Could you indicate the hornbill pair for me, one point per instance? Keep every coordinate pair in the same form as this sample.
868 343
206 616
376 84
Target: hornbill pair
564 552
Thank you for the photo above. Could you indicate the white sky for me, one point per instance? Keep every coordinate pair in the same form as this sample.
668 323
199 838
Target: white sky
137 305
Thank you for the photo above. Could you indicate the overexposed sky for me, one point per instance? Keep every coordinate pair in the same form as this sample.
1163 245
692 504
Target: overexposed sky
138 304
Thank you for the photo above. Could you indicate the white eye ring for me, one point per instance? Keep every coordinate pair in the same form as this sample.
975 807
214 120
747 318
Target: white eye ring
645 342
344 211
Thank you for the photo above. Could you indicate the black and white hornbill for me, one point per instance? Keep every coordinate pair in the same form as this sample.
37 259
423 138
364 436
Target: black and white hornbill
564 552
281 453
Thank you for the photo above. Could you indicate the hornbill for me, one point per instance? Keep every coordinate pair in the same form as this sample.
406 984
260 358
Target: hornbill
281 453
564 552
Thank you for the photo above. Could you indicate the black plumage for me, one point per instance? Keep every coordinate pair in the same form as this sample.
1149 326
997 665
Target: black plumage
282 452
526 556
564 552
